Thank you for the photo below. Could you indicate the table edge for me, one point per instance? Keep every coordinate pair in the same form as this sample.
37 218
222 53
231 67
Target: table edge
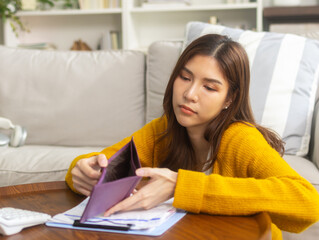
32 188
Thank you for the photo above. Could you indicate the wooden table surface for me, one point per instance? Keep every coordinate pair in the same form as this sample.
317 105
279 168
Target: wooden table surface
55 197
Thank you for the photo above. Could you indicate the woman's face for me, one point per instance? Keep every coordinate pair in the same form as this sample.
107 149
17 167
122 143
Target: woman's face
199 93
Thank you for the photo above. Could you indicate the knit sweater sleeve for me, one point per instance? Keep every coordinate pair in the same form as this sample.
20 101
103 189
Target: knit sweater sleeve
249 177
144 139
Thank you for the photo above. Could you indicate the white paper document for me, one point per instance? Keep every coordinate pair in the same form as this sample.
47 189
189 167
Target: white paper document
137 220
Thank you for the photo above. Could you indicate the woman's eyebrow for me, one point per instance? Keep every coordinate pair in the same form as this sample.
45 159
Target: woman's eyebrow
187 70
210 80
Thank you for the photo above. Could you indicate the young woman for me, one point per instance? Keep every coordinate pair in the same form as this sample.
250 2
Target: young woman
207 151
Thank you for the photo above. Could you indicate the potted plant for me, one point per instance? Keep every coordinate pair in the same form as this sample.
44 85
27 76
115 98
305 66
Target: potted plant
70 4
46 4
8 9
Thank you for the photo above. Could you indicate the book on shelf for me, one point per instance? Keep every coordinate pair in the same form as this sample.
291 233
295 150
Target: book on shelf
29 5
164 3
105 41
99 4
40 46
115 40
110 40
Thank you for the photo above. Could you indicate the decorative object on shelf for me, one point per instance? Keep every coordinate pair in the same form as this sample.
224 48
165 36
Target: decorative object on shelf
213 20
80 46
8 9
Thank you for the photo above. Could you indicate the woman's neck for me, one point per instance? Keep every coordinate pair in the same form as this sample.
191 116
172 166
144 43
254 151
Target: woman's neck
200 145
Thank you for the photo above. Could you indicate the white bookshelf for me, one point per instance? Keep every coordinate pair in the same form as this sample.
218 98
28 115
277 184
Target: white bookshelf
146 25
139 26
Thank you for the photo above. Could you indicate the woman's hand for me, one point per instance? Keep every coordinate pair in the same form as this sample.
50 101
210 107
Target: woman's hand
160 188
87 172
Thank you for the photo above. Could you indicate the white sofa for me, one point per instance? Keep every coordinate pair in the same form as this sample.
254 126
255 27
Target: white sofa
78 102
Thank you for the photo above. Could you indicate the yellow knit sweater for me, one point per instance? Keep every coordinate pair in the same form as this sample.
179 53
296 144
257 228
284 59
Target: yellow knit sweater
248 177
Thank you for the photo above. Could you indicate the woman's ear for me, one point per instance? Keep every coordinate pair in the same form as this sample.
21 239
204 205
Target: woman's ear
229 100
227 104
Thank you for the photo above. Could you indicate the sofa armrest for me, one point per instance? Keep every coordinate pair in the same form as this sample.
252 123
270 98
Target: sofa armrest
314 149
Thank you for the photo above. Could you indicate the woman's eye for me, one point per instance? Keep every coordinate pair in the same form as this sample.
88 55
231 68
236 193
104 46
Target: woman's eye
209 88
184 77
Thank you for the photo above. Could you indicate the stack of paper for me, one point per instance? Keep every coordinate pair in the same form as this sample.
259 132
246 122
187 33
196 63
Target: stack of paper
142 222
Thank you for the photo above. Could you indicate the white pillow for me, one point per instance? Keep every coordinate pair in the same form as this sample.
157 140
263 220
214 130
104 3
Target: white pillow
284 79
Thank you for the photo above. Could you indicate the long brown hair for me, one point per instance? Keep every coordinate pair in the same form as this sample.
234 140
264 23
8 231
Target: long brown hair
234 64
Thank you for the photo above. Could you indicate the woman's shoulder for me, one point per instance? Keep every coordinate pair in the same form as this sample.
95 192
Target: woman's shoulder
242 140
241 127
242 131
158 125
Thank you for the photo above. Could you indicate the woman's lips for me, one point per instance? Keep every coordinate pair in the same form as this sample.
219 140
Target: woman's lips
187 110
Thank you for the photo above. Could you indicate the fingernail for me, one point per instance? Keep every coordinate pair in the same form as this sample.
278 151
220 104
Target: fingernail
140 172
104 162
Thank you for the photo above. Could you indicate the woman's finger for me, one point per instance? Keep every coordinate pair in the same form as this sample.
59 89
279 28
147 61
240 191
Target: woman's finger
79 182
78 175
156 173
82 190
130 203
89 167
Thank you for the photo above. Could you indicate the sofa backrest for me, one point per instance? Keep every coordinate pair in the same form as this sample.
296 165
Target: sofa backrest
161 59
73 98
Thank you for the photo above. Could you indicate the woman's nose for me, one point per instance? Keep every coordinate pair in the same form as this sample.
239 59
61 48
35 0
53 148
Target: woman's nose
191 93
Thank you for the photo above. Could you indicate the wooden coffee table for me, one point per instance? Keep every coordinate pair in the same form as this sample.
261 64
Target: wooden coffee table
56 197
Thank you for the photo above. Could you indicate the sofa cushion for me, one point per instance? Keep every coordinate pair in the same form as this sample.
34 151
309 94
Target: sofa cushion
30 164
309 171
161 59
284 79
305 168
73 98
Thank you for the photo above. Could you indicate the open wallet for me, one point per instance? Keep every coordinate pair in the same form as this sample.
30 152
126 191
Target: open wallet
116 183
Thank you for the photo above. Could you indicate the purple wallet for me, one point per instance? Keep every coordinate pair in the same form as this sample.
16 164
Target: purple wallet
117 182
